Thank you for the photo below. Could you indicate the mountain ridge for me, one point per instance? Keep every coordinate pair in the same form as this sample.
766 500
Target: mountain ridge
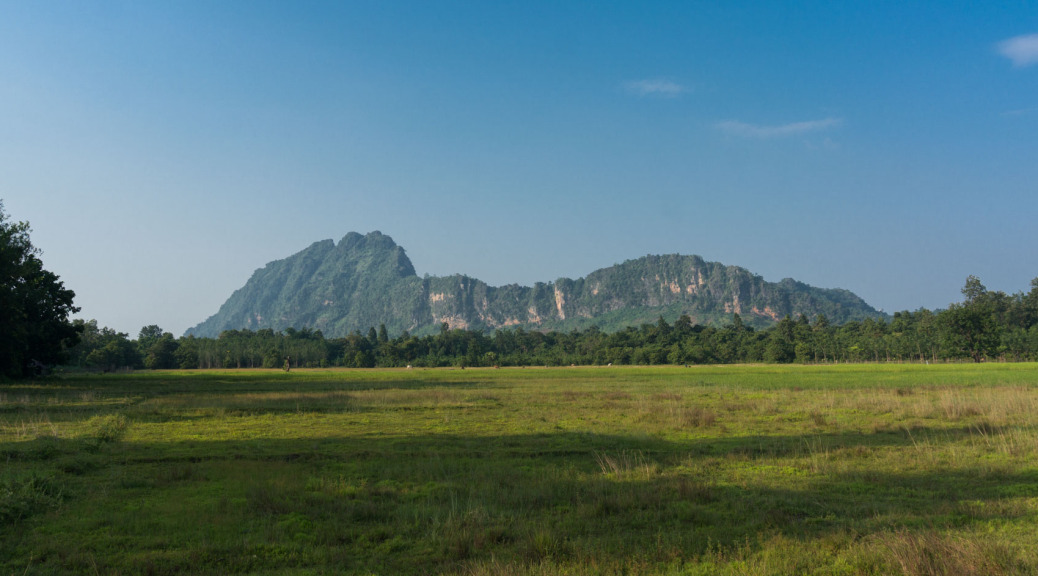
368 280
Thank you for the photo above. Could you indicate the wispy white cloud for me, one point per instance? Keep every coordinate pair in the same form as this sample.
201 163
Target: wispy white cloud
746 130
658 87
1021 111
1022 50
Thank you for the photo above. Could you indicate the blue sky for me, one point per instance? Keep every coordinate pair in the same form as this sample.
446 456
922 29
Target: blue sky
163 151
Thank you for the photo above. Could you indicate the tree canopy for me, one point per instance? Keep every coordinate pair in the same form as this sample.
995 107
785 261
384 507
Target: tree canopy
35 306
987 326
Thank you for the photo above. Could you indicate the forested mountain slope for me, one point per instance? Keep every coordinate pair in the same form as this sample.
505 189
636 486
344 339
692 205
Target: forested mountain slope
365 281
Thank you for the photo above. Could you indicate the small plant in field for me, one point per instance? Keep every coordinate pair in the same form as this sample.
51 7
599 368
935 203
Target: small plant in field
269 498
626 465
177 472
34 427
470 533
107 428
818 418
985 428
695 491
571 396
697 417
79 463
44 447
956 408
544 545
21 497
931 554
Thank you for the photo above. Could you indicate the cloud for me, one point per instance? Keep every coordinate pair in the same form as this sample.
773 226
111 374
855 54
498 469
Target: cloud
736 128
1022 50
1021 111
658 87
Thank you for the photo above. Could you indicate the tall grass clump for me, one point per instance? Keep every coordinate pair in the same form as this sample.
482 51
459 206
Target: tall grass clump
626 465
107 428
25 495
929 553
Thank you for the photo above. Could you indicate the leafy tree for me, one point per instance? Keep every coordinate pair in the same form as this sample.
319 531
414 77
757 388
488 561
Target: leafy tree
780 347
1029 305
683 325
737 324
161 352
34 305
89 339
146 337
113 350
972 328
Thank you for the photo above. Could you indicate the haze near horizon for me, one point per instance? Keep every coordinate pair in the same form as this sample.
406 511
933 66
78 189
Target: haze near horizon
164 151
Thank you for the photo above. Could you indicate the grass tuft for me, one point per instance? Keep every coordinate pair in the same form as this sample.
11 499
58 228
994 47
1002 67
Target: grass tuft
107 428
24 495
929 553
626 465
698 417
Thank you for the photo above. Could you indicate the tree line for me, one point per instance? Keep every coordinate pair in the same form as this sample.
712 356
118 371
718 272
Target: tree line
986 326
36 332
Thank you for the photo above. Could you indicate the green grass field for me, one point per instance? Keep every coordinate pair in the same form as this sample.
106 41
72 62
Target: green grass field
889 469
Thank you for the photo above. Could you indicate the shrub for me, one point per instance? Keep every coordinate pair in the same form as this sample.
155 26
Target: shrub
107 428
21 497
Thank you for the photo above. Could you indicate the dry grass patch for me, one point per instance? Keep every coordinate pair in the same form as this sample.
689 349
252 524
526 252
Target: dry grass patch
929 553
427 397
29 428
626 465
697 417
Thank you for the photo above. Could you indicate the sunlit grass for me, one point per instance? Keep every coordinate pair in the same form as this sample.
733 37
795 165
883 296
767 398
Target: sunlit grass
595 470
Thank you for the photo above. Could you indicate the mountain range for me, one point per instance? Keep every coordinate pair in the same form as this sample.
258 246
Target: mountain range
368 280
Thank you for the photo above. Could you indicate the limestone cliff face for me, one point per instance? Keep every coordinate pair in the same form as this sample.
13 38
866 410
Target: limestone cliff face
361 282
364 281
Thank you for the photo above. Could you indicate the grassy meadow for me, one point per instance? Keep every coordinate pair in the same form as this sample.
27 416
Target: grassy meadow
849 469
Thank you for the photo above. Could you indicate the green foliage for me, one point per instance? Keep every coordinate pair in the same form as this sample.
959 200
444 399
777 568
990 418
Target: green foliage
107 428
161 353
35 306
988 326
103 348
22 496
973 328
363 281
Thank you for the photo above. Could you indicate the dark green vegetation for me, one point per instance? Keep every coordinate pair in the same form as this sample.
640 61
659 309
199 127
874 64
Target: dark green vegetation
368 280
849 470
986 326
34 305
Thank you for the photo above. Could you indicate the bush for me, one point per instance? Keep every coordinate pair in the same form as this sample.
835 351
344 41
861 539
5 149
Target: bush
21 497
107 428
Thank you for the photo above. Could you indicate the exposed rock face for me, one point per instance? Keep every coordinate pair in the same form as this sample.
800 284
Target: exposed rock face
364 281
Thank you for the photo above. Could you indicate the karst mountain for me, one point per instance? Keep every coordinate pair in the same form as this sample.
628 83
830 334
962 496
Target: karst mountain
368 280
